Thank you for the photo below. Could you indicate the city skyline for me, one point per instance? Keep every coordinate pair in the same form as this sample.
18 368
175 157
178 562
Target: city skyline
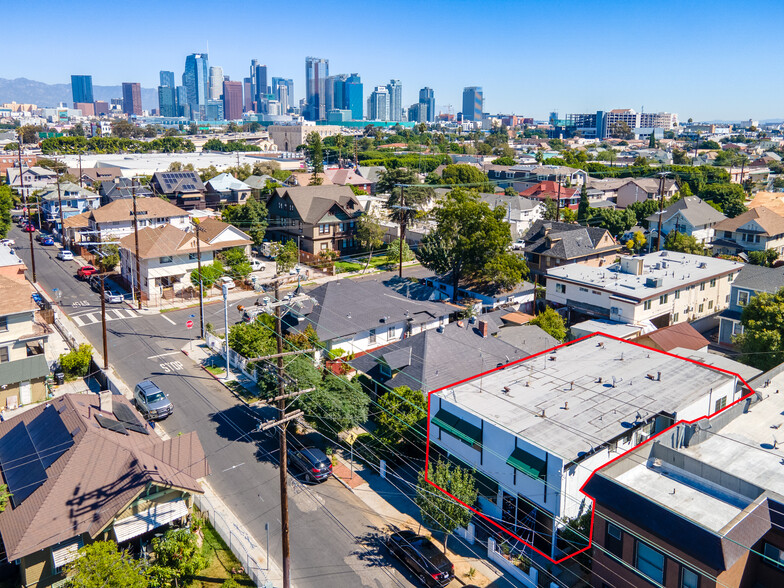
690 74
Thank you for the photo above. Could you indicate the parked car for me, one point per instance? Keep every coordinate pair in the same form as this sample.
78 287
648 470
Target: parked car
15 218
65 255
28 228
226 281
422 557
86 271
312 461
151 401
9 242
47 240
113 297
95 282
257 265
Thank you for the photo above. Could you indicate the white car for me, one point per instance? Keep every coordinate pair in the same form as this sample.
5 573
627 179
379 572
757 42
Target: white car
65 255
113 298
226 281
257 265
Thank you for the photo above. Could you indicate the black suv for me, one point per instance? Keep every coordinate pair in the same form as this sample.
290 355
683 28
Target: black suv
312 461
422 557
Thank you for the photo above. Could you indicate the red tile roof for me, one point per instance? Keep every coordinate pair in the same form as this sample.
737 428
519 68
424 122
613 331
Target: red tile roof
549 189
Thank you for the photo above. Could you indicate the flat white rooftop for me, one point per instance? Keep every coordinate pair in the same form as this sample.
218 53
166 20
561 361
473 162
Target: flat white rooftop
149 163
591 392
663 271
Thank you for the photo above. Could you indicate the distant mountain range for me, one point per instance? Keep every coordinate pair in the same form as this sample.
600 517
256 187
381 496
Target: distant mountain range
27 91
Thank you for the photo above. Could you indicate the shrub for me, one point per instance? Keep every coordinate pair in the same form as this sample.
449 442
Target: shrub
76 363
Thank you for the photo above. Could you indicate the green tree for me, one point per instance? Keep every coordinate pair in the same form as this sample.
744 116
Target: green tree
550 209
6 204
510 191
621 130
401 412
250 217
463 174
551 323
5 495
178 551
584 209
504 161
394 250
730 197
468 238
110 259
764 258
303 372
337 404
652 141
640 161
76 363
288 256
370 233
680 157
254 339
406 198
683 243
340 142
101 565
615 221
316 155
210 273
762 342
438 510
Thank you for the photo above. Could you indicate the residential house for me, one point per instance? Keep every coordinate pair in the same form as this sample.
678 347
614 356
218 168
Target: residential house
677 336
606 327
550 244
120 188
534 431
258 186
750 282
757 229
548 190
488 294
604 189
23 335
184 188
427 361
660 288
348 177
522 177
320 218
358 316
94 470
372 173
642 189
700 506
521 212
94 177
689 216
11 265
224 189
75 200
301 177
11 158
115 220
34 178
223 235
167 256
759 176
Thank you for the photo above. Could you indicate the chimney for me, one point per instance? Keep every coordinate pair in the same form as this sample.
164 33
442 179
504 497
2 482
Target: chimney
483 328
105 397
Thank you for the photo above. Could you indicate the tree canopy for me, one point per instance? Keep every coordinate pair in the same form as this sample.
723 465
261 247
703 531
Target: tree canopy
463 174
336 405
762 342
288 256
101 565
401 412
730 197
250 217
551 323
684 243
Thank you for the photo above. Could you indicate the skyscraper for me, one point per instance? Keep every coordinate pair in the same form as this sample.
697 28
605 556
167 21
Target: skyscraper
167 79
473 103
247 90
197 84
232 100
395 89
132 98
378 104
262 91
354 96
428 104
334 92
253 64
183 108
316 73
216 82
82 88
283 91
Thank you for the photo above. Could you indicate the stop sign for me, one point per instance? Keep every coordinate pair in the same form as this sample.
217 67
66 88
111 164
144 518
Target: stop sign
189 324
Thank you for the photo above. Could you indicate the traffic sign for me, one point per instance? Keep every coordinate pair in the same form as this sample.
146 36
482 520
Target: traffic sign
189 325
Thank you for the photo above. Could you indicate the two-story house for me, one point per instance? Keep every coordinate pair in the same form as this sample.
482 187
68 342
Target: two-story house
757 229
642 189
522 177
93 471
521 212
23 335
184 188
34 178
660 288
224 189
536 430
93 177
550 244
119 188
549 190
358 316
320 218
751 281
75 200
115 220
689 216
167 256
11 265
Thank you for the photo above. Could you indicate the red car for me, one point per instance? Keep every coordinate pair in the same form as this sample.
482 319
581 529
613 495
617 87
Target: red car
29 229
86 271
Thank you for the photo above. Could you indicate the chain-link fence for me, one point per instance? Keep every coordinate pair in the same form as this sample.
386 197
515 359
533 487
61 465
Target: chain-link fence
238 540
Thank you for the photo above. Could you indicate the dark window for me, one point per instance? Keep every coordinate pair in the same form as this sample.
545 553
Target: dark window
3 354
649 562
689 578
3 323
773 556
613 540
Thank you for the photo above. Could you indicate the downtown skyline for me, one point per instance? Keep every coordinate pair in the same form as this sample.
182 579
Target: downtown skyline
606 67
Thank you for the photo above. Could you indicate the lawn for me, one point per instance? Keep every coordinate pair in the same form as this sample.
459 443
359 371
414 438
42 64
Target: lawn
222 562
215 370
359 263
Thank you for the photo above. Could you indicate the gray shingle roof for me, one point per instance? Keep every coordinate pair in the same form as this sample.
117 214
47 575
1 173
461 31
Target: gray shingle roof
760 279
530 338
564 240
346 307
313 202
693 209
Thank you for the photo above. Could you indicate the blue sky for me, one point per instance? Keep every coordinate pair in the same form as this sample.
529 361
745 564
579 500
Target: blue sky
706 60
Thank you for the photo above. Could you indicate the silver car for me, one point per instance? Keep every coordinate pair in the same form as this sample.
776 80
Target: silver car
113 297
151 401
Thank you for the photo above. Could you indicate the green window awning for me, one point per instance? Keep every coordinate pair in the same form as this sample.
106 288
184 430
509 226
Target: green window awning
530 465
454 425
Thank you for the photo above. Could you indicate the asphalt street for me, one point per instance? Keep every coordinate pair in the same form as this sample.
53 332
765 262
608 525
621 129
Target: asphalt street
334 538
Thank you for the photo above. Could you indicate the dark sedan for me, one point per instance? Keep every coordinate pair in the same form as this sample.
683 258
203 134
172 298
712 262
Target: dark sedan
422 557
313 462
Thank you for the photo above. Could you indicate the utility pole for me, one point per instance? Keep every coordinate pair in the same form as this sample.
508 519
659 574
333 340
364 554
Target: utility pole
558 202
201 284
62 221
284 498
225 291
661 210
27 210
103 325
136 245
80 169
402 229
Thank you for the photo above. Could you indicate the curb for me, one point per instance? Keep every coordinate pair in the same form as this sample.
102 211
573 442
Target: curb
219 380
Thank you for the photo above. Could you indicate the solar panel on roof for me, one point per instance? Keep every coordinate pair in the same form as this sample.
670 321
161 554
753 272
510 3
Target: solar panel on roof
125 415
50 436
23 471
111 424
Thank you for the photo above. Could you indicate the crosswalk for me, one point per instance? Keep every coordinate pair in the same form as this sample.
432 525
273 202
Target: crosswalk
112 314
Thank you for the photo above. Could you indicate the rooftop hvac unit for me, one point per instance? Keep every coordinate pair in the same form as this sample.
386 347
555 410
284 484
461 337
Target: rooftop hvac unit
653 282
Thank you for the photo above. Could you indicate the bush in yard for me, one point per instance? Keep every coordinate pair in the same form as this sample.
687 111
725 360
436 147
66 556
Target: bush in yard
76 363
101 565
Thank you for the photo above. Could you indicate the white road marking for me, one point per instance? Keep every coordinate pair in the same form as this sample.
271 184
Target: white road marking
112 314
172 366
164 354
168 319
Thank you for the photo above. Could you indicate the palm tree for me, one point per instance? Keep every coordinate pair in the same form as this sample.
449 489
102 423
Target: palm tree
340 142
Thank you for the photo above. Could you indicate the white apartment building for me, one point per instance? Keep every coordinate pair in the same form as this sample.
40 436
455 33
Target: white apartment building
661 288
